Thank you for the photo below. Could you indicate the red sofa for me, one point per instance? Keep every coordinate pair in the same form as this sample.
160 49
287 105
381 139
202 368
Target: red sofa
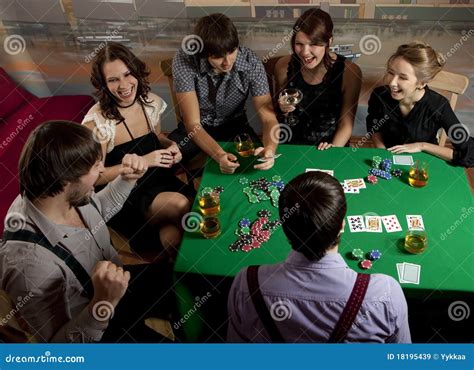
20 113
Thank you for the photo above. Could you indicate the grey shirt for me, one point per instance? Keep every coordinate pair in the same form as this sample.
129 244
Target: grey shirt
221 95
55 310
306 299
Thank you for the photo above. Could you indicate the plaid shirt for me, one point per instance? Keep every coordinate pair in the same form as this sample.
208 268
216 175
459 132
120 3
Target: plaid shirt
223 95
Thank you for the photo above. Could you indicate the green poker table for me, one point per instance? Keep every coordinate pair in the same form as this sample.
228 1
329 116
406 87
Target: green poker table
446 205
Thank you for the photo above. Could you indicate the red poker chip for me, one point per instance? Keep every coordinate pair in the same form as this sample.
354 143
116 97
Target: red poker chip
366 264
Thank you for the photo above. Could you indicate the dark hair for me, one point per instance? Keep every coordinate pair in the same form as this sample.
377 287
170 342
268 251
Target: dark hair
57 152
426 61
312 209
110 52
218 34
317 24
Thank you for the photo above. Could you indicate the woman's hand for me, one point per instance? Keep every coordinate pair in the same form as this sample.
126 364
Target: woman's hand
406 148
174 149
159 158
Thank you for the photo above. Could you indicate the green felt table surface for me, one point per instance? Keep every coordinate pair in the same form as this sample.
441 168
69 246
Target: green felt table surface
446 205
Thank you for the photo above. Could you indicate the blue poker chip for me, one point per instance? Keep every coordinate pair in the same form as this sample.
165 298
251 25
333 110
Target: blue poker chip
375 255
245 222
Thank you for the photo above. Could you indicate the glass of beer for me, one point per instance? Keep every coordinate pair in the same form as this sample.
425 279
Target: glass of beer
209 204
416 241
244 145
418 174
210 227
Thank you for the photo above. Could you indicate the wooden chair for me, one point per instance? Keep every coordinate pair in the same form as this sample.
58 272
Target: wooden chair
193 169
450 85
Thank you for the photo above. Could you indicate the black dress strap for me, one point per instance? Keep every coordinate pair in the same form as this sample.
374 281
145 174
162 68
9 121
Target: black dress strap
146 118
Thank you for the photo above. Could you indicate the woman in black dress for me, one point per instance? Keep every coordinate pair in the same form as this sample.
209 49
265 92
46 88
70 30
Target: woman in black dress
127 120
405 115
330 84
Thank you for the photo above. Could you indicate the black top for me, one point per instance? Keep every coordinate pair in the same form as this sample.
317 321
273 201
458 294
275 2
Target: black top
422 123
320 109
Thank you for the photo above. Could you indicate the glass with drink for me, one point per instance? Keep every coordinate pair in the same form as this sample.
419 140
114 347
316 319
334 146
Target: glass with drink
210 227
290 97
209 203
244 145
416 241
418 174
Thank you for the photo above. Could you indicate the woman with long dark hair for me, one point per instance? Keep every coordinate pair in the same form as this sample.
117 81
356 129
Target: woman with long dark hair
127 120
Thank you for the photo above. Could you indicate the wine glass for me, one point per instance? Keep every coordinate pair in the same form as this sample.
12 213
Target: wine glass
244 145
290 96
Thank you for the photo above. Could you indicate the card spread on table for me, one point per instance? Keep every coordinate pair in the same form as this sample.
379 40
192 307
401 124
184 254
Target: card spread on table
355 183
356 223
329 172
415 222
391 223
408 273
406 160
349 190
373 224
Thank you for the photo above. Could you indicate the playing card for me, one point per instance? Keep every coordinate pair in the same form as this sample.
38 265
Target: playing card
391 223
348 189
411 273
267 158
400 272
415 222
329 172
373 224
406 160
356 224
355 183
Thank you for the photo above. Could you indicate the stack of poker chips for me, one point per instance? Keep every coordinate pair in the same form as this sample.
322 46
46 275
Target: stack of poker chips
251 235
381 168
366 263
263 189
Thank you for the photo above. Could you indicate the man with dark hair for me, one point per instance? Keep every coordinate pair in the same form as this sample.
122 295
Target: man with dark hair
213 77
313 296
56 249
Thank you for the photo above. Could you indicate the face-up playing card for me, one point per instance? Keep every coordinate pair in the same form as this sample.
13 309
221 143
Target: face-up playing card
391 223
329 172
415 222
400 272
356 224
406 160
349 190
373 224
355 183
411 273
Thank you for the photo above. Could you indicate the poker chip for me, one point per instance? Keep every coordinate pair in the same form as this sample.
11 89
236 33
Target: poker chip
234 247
357 253
376 160
397 173
375 254
264 213
380 173
245 222
372 179
206 190
386 165
244 180
218 190
276 178
365 264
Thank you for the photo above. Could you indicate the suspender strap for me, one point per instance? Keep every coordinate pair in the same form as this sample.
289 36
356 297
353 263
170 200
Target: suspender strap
79 271
260 306
352 308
